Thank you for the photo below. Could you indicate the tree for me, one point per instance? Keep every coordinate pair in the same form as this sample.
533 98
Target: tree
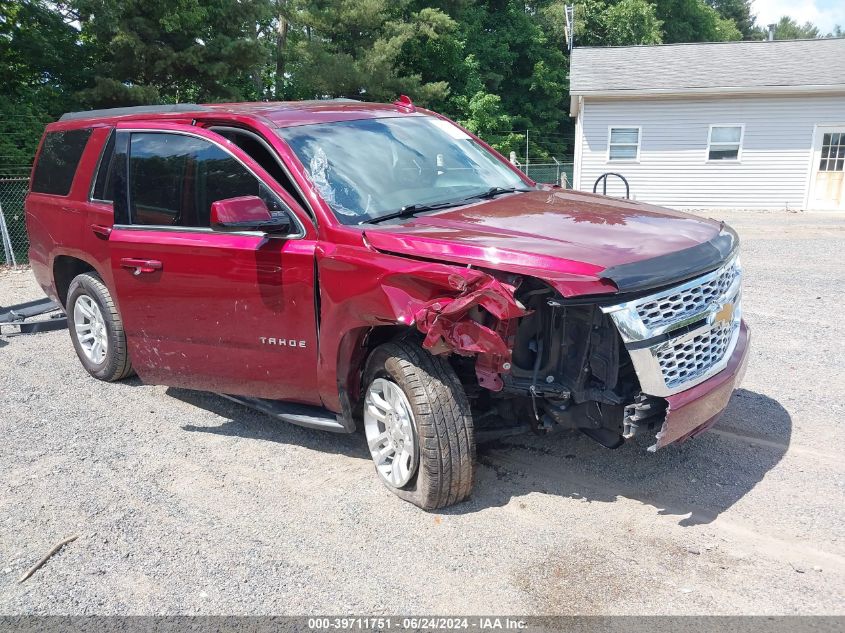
483 116
148 51
739 12
42 64
490 64
622 23
694 21
371 49
498 66
516 51
789 29
632 22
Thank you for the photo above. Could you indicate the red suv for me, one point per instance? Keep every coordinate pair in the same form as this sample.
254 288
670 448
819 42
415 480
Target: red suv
340 265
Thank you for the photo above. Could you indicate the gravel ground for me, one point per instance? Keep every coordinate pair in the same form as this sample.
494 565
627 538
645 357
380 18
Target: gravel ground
189 504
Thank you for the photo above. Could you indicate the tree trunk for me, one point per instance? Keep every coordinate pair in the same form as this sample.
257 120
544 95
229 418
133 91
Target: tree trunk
281 45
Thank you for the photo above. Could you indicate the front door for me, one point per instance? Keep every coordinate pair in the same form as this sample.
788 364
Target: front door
827 181
225 312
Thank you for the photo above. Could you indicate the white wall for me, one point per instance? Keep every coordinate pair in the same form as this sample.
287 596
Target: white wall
774 169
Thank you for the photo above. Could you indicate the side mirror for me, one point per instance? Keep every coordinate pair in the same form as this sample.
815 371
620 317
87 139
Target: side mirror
247 213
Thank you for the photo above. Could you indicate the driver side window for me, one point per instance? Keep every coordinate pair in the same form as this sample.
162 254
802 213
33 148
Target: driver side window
175 178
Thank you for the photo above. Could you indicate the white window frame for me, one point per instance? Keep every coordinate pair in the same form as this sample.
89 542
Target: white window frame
738 158
610 129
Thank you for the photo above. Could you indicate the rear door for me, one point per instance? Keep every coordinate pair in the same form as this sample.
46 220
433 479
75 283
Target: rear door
827 183
225 312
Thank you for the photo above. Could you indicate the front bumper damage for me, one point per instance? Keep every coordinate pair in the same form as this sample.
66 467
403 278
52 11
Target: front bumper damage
451 325
609 370
691 412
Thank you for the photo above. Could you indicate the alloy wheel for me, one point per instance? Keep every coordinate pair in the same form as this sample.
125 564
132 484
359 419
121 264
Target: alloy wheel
91 330
391 432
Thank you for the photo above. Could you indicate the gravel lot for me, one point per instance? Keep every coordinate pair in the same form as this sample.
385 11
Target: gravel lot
188 503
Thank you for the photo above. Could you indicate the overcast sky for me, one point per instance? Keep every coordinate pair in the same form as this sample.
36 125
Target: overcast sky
823 13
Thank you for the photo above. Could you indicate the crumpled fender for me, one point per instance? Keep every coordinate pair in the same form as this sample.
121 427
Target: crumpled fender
448 327
361 288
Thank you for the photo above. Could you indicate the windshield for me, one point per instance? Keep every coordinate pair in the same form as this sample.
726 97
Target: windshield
370 168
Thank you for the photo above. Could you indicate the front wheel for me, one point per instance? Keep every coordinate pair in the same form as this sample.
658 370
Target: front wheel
418 425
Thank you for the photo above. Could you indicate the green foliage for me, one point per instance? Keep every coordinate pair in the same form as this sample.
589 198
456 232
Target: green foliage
739 12
41 66
789 29
621 23
500 67
632 21
520 55
147 51
694 21
368 49
483 116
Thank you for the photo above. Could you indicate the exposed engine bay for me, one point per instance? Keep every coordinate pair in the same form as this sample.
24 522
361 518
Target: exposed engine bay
569 369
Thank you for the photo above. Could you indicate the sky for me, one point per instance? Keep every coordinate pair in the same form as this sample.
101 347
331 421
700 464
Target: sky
823 13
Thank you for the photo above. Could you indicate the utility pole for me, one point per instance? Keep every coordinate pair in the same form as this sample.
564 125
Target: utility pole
526 147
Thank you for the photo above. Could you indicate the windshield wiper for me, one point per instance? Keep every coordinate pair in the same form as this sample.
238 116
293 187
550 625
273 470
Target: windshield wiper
412 209
492 192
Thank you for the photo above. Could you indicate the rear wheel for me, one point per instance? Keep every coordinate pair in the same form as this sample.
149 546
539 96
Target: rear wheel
96 329
418 425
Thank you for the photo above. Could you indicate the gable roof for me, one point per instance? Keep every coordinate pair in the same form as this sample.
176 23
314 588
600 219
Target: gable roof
715 68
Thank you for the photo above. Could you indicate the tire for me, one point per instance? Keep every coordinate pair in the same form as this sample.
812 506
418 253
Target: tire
88 294
442 428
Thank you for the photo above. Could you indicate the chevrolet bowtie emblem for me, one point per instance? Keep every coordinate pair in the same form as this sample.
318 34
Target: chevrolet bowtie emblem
725 314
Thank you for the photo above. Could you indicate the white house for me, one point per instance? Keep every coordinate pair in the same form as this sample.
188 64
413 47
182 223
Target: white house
748 125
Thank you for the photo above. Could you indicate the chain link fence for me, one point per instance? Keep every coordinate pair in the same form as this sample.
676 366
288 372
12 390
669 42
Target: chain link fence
15 242
550 173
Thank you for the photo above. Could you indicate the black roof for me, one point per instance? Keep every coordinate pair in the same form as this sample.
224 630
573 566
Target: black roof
148 109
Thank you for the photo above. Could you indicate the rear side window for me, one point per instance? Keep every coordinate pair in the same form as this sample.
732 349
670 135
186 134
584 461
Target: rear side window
58 160
104 184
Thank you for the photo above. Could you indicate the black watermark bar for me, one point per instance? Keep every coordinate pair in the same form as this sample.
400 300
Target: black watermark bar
282 624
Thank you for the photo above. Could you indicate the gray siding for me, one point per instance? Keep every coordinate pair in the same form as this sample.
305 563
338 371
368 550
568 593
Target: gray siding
774 170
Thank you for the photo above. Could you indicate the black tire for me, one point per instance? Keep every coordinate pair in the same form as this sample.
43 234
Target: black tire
445 438
116 364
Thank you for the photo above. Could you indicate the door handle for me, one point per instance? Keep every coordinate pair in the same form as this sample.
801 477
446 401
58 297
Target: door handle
140 265
101 231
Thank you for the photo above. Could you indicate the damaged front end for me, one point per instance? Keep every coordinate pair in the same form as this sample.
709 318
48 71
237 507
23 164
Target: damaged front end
479 322
571 369
664 362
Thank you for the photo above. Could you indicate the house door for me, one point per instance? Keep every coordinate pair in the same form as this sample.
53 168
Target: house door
827 182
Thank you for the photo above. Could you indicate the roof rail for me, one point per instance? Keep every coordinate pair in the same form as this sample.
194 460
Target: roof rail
148 109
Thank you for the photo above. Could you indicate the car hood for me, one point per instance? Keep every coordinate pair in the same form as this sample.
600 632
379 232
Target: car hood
580 243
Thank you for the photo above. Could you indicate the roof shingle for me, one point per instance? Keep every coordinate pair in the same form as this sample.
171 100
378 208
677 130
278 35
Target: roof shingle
679 68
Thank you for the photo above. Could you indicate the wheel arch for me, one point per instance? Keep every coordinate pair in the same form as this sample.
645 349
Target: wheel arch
64 269
353 352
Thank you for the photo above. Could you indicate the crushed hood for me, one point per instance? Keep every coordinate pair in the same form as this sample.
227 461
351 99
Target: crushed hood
580 243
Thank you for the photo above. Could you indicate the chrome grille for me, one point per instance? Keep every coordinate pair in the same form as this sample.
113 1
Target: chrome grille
681 362
692 301
681 336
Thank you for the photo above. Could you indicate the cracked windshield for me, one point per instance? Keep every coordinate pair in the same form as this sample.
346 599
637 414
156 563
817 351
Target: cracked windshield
372 168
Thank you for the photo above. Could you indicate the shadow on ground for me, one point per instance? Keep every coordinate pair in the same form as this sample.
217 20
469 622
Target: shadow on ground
696 481
249 424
